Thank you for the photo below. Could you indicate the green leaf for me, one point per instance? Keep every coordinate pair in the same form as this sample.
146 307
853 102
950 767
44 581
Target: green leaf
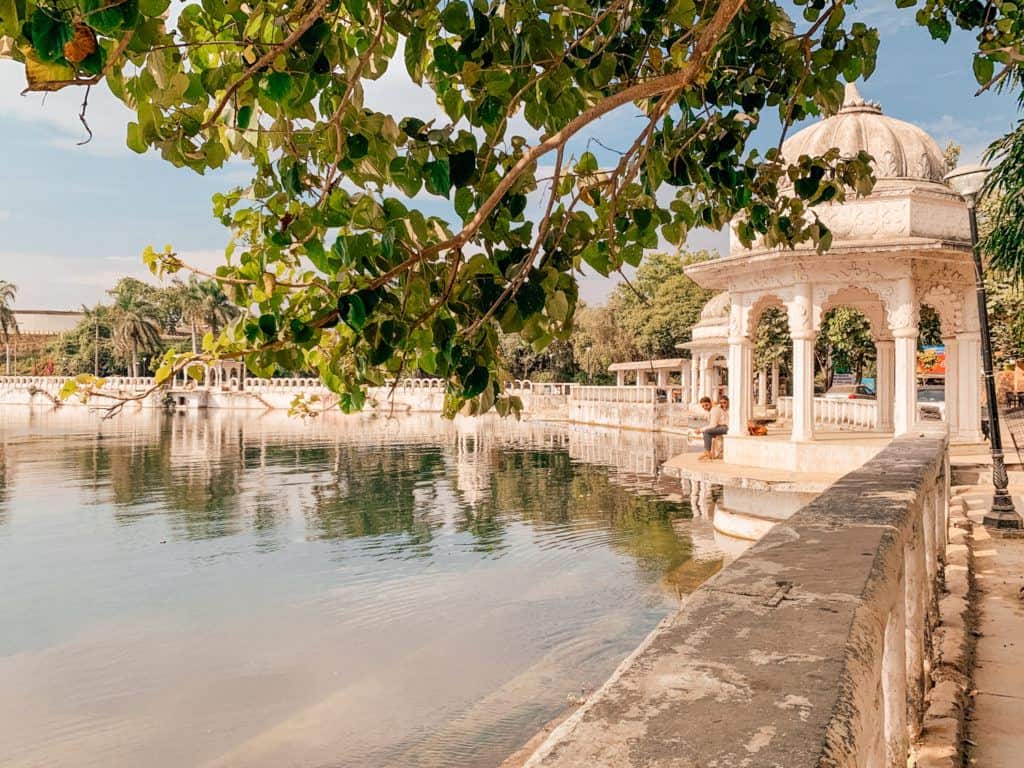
464 203
301 332
357 146
415 54
983 69
352 311
516 204
558 306
940 28
463 166
163 373
490 110
455 17
48 35
405 177
243 117
259 366
530 299
136 143
428 362
321 259
597 259
9 16
437 177
587 163
154 7
278 86
268 325
805 187
446 59
315 36
112 19
357 8
475 382
70 387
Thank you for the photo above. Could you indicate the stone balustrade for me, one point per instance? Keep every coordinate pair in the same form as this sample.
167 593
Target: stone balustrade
809 650
260 386
54 384
644 394
836 411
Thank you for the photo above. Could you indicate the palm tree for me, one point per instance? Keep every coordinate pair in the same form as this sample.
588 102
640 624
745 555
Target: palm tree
190 298
135 326
204 304
217 310
8 323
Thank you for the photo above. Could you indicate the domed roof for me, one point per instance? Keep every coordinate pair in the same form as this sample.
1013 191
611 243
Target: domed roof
900 150
716 308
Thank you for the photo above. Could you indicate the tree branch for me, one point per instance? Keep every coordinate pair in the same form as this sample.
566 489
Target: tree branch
655 86
266 59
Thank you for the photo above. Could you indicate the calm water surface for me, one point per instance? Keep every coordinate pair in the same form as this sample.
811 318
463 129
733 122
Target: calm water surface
258 591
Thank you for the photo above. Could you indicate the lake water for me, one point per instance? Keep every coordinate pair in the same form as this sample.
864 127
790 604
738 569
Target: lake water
260 591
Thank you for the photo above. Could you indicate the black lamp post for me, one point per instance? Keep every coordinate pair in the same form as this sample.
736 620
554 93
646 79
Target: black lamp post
968 180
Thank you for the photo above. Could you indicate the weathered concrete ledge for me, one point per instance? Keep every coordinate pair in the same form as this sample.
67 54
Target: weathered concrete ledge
688 466
808 650
941 742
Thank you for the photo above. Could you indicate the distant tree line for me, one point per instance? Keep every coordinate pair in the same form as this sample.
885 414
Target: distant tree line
644 318
130 333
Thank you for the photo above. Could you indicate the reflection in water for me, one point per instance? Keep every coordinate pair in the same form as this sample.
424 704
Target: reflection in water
233 590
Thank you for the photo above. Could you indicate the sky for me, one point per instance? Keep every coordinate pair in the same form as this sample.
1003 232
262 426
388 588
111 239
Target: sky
73 219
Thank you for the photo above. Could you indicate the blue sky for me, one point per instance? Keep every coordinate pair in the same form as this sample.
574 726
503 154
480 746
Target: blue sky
73 219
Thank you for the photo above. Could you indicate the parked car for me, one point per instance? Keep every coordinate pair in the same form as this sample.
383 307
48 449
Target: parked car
850 392
931 402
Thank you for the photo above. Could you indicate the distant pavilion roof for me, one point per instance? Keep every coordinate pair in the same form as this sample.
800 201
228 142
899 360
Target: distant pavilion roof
672 363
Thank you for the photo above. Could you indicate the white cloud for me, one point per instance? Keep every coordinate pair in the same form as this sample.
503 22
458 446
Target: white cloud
107 117
974 136
5 215
50 281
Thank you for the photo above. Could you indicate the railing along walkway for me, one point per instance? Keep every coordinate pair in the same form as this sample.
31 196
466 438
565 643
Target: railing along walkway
835 411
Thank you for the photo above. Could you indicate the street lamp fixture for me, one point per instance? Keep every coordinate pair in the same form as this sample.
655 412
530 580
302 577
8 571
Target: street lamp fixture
967 181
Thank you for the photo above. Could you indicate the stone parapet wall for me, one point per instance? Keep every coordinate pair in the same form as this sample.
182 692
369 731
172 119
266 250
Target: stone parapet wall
45 390
650 408
809 650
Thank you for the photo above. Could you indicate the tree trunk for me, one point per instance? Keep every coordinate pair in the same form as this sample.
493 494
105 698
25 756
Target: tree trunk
135 363
195 338
7 355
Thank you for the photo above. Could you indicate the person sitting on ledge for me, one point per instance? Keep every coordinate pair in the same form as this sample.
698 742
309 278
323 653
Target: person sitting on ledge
718 424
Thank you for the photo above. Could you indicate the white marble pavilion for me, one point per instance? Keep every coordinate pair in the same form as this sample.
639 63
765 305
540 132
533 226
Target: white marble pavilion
905 245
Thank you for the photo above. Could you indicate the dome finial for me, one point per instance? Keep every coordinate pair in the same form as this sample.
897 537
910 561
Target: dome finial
853 101
853 97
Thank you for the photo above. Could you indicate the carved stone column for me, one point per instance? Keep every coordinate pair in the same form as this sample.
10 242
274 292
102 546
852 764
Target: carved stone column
903 313
694 379
968 383
620 378
706 372
741 369
952 386
885 380
801 328
904 412
775 382
762 388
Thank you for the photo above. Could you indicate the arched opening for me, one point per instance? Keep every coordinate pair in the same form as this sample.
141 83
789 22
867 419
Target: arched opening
773 359
844 350
932 368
